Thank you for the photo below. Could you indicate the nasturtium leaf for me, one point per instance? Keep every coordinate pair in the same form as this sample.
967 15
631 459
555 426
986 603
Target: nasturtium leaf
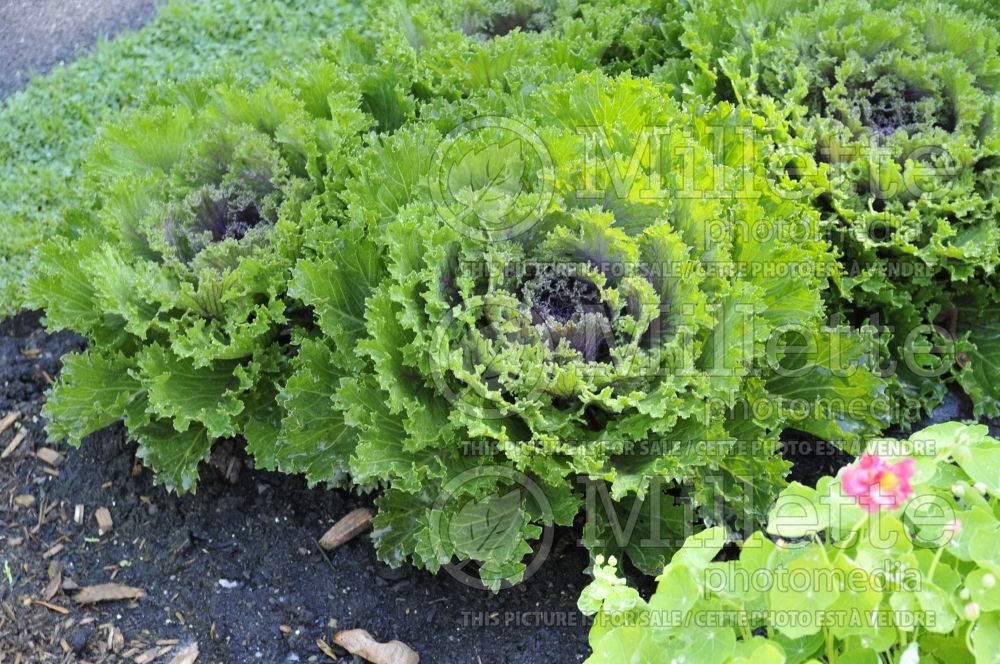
677 591
854 611
758 649
983 549
946 648
985 638
798 650
628 645
802 590
797 513
982 463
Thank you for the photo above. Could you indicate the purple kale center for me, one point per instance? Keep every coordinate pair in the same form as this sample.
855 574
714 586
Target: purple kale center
886 114
503 21
561 296
569 307
888 104
226 219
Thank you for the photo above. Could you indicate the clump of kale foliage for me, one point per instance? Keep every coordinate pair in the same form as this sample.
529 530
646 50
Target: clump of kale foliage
900 102
501 261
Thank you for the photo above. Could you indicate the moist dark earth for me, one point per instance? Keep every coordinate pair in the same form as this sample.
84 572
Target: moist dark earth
236 567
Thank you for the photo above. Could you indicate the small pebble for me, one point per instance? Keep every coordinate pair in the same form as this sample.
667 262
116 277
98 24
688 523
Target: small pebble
79 640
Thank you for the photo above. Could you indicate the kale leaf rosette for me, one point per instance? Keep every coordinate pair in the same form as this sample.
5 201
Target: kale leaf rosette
456 48
901 101
581 293
182 289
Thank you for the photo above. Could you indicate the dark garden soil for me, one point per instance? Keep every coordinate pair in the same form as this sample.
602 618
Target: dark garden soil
235 568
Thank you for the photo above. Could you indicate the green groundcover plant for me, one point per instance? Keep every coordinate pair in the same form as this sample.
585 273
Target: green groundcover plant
527 305
45 129
893 560
182 288
900 103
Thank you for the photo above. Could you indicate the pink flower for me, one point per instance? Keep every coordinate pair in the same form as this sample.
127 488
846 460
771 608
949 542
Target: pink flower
877 484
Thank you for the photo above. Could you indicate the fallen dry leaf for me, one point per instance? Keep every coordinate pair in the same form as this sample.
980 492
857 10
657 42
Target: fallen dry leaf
151 655
9 419
55 581
26 500
18 439
186 656
327 650
360 642
116 640
107 592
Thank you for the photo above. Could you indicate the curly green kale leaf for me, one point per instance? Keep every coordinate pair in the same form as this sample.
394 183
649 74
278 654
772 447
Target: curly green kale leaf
581 289
900 101
183 292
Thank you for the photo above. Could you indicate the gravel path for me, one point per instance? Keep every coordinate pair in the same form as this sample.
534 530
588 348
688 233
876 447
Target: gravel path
37 35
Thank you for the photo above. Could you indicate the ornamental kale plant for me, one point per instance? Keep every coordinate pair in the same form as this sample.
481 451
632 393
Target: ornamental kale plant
900 102
456 48
183 290
894 559
46 128
538 299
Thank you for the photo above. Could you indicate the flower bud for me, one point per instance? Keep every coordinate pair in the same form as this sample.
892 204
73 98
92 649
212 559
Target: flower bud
980 487
989 581
964 594
972 611
958 490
